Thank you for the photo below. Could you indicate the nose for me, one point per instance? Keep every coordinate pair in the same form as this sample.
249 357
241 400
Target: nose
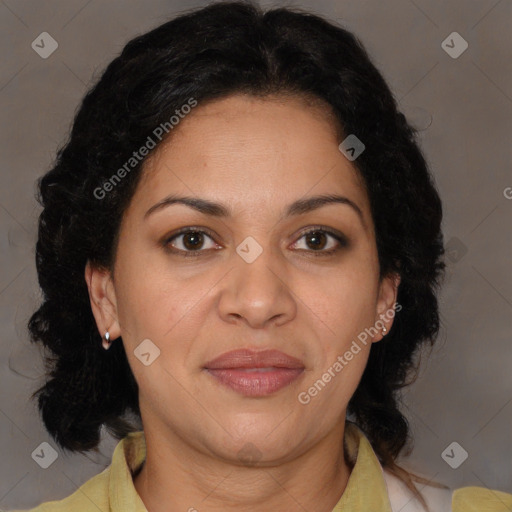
257 293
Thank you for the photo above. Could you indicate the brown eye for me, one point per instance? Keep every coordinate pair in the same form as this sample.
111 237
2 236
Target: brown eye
317 239
192 242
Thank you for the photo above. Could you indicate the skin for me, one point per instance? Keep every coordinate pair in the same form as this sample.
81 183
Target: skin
256 156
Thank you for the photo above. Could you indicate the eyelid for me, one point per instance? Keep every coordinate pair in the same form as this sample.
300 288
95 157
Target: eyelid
187 229
330 231
341 239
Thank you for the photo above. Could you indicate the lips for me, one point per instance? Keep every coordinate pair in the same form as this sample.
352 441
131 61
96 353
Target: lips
253 373
246 358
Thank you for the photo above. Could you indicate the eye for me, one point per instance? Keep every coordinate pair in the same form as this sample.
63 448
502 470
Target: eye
317 238
192 241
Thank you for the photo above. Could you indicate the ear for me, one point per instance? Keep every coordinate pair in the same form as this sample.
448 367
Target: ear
103 300
385 310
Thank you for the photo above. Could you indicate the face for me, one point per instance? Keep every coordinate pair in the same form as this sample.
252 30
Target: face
305 283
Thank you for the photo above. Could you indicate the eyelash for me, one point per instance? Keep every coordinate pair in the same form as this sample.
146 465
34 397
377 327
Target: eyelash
341 239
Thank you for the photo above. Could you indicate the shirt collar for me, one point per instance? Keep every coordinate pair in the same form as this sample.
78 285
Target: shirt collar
128 455
366 488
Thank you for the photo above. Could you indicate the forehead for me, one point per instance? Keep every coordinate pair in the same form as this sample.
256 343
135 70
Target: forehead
252 153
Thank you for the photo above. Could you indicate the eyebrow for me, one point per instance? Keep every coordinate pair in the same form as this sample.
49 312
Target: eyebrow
298 207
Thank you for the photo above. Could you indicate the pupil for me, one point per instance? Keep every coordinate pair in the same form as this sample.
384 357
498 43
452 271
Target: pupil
192 235
314 236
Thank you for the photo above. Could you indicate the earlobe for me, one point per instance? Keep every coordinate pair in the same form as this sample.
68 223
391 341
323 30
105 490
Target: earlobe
388 292
103 300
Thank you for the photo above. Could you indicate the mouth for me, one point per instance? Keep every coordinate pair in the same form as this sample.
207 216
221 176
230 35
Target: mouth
256 381
255 374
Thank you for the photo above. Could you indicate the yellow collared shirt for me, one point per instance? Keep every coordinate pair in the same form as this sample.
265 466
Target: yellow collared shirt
369 488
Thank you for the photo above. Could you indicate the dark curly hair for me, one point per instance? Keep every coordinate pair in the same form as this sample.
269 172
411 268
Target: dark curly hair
222 49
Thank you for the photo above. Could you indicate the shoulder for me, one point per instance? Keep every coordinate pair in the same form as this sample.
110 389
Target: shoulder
402 499
463 499
481 499
89 497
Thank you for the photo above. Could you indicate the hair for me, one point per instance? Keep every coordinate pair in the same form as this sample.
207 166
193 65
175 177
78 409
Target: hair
209 53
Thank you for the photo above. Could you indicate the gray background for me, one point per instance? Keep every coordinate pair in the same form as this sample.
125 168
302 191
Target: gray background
463 107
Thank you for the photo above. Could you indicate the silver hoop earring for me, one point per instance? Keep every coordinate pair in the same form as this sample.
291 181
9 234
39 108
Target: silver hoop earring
106 342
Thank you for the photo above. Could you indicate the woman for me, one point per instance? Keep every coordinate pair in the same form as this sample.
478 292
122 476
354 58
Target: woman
240 245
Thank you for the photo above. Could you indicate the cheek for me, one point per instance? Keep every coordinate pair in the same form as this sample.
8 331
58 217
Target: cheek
327 393
165 313
345 303
340 310
154 303
171 314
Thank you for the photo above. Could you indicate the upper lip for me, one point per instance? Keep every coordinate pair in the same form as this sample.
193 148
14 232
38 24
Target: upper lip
246 358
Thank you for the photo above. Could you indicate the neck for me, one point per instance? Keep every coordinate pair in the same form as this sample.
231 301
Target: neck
176 477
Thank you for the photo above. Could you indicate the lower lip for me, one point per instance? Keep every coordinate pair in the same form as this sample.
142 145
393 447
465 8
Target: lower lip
256 382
